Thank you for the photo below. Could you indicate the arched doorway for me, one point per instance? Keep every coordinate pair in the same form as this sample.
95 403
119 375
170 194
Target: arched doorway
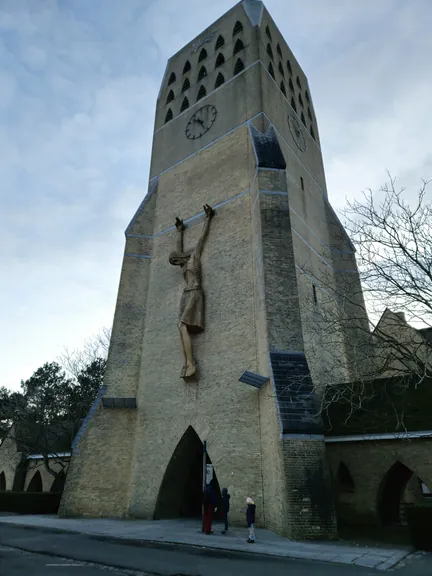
59 482
35 483
391 495
180 494
2 482
344 478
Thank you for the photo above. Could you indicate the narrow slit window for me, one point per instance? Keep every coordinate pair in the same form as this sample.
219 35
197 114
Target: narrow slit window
307 95
219 80
309 114
185 104
271 71
270 51
302 182
237 28
170 97
239 66
267 31
238 47
312 133
314 294
169 116
186 85
278 50
202 73
281 70
293 104
203 55
301 100
289 67
172 78
298 82
220 60
186 67
303 119
282 87
291 85
201 93
219 42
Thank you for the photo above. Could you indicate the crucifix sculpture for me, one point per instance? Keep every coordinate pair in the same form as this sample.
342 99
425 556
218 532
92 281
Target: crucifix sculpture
192 301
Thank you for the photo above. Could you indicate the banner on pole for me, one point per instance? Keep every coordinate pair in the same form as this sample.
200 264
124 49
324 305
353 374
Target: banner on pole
209 473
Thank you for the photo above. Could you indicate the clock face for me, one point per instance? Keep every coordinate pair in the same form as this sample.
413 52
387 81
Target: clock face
201 122
297 132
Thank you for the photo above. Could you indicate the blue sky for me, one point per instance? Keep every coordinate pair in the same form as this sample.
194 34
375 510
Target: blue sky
78 86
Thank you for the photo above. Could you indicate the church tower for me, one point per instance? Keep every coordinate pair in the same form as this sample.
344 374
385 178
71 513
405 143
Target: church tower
236 129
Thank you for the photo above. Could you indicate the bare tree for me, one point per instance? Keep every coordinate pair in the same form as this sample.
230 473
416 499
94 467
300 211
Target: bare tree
96 347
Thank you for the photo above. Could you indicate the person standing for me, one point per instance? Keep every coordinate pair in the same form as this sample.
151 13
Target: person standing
209 505
250 519
225 506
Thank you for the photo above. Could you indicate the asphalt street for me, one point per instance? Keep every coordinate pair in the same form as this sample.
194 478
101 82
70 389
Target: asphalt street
26 551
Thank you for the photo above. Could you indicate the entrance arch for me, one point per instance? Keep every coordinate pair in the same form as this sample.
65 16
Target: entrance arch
180 494
391 494
2 482
35 483
59 482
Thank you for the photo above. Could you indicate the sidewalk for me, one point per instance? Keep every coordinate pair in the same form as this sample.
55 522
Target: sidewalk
188 533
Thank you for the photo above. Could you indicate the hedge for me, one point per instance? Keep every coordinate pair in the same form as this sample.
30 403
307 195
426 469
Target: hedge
30 502
420 521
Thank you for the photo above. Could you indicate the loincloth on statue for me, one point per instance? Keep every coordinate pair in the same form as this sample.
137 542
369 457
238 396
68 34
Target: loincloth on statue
192 309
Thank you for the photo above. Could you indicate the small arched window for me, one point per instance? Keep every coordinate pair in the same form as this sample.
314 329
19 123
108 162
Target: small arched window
238 47
169 115
281 70
344 478
170 97
307 96
219 42
312 133
301 100
293 104
185 104
203 55
238 27
309 114
172 78
289 67
267 31
186 67
278 50
271 71
298 82
239 66
291 85
219 80
270 51
303 119
2 482
202 73
220 60
282 87
186 85
201 93
35 483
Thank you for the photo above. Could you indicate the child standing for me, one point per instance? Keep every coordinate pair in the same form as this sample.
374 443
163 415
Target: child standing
225 506
250 519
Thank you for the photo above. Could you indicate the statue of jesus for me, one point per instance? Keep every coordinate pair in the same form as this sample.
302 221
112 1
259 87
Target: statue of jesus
192 301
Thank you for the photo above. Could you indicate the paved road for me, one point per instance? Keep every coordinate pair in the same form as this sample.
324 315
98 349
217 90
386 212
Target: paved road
37 553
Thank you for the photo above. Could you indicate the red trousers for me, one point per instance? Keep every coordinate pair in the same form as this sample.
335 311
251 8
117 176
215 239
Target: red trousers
208 517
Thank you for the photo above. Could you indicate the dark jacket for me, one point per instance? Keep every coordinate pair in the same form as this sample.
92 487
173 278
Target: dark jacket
225 501
209 496
250 514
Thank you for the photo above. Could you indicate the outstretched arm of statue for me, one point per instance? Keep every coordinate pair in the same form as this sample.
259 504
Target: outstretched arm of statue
180 227
209 212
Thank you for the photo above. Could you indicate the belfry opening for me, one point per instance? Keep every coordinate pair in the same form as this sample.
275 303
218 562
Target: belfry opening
180 494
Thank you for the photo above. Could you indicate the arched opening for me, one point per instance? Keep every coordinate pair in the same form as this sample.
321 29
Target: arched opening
282 87
186 85
298 82
345 480
203 55
289 67
2 482
271 71
202 73
220 60
180 494
391 494
170 97
169 115
269 51
269 36
291 85
219 80
35 483
185 104
239 66
281 70
219 42
201 93
238 47
303 119
238 27
172 78
278 50
186 67
59 482
293 104
301 100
